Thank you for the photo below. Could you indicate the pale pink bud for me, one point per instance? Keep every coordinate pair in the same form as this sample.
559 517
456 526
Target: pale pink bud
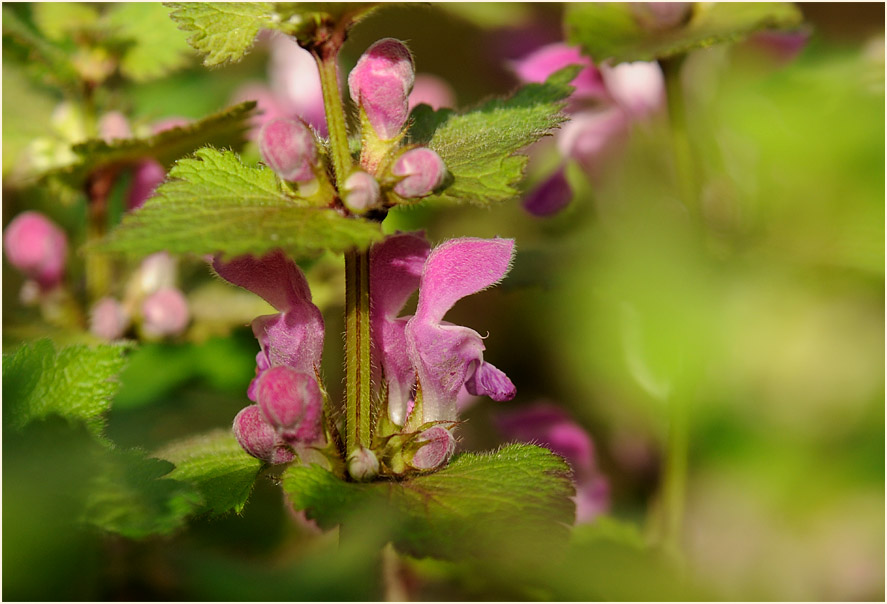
165 313
146 177
432 91
423 170
659 16
295 82
288 147
361 191
36 247
363 464
258 438
381 82
108 319
114 125
638 87
291 402
156 272
441 446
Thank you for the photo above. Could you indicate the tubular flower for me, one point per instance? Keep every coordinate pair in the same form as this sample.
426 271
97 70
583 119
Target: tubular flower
448 356
294 336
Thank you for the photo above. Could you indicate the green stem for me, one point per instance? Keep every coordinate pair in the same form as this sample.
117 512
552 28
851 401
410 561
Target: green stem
98 265
674 483
683 153
326 57
357 350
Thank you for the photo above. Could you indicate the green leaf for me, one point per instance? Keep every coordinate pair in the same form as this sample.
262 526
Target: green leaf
215 204
470 508
611 31
76 382
131 497
225 31
479 147
58 20
157 46
217 467
224 128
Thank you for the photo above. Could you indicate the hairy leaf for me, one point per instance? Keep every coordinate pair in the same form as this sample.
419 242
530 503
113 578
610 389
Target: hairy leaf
156 46
215 204
131 497
217 467
225 31
480 147
472 507
224 128
222 31
75 382
610 30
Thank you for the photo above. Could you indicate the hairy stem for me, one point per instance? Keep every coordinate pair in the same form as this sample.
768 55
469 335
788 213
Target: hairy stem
326 57
357 350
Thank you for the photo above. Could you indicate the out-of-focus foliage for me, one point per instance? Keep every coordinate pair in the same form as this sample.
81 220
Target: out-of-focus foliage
612 30
760 309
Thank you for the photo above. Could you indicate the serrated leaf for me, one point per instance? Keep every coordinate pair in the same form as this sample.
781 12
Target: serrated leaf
215 204
224 128
610 30
222 31
75 382
467 509
225 31
157 46
133 497
217 467
480 147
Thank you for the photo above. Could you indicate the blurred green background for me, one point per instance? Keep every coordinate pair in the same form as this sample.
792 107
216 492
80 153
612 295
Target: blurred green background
764 319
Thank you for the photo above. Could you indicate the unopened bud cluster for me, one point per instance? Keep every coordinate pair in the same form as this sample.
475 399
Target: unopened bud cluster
288 414
389 173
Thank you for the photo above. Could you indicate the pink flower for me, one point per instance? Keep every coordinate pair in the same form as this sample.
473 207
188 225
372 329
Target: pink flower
294 336
551 427
604 104
36 247
423 351
165 313
108 319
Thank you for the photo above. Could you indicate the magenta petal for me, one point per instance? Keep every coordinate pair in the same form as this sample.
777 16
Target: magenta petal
294 337
490 381
395 267
553 428
446 356
439 448
550 197
459 268
541 63
146 177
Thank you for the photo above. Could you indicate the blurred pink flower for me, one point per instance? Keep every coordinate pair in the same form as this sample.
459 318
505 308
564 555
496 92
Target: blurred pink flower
432 91
550 426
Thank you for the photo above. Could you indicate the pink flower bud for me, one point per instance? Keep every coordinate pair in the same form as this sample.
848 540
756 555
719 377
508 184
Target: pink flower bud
146 177
288 147
441 446
258 438
108 319
36 247
423 170
432 91
637 87
363 464
165 313
291 402
114 125
361 191
381 83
